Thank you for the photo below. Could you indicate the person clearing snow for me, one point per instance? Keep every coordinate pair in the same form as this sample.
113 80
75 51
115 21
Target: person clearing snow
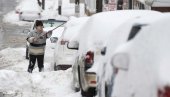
37 40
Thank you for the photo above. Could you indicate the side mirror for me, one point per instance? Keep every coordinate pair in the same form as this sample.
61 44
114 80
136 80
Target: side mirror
120 61
25 31
103 51
73 45
53 39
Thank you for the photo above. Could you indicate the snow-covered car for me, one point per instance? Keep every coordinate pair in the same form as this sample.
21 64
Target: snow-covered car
124 33
143 63
28 10
49 24
63 56
74 27
90 42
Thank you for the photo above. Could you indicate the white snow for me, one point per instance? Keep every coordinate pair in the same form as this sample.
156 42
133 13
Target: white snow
13 18
24 5
148 69
73 27
46 84
28 5
15 80
51 10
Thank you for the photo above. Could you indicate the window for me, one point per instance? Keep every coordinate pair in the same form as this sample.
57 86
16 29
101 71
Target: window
134 31
51 23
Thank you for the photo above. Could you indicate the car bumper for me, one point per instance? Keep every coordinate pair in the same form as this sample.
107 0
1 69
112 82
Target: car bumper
90 79
29 17
65 60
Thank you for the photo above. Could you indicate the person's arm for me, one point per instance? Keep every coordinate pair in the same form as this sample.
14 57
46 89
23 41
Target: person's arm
31 38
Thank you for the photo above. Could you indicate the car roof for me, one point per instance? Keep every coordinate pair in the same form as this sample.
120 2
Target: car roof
102 25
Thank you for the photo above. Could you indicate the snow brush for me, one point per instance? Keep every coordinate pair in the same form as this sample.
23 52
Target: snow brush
51 30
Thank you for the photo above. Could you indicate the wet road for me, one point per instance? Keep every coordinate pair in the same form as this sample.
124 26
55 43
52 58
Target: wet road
10 35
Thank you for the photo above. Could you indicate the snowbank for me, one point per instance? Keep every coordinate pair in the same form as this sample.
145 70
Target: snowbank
15 81
46 84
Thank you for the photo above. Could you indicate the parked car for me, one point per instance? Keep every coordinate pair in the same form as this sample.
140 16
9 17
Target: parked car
124 33
90 42
49 24
143 63
64 57
28 10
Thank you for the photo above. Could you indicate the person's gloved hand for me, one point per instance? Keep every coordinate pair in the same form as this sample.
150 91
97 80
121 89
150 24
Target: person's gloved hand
33 39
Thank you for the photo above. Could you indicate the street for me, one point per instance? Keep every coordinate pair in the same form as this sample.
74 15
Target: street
12 35
84 48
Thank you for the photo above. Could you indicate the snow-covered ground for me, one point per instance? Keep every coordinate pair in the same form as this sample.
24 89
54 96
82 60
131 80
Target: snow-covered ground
13 18
17 82
51 11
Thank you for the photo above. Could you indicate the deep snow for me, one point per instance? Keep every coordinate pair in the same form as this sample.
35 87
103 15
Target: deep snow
14 80
17 82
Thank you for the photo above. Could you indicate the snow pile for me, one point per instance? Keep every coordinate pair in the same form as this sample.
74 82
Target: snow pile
10 57
15 81
46 84
73 27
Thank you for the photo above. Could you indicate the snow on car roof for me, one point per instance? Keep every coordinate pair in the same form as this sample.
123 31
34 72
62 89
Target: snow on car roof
149 53
120 36
99 26
73 27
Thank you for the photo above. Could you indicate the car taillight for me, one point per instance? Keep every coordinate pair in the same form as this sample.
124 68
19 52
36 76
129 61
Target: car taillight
89 57
63 42
17 12
164 92
93 82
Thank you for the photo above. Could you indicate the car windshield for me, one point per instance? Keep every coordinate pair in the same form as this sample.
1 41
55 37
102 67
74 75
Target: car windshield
52 23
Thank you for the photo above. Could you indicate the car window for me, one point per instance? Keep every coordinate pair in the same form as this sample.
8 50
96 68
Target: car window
52 23
134 31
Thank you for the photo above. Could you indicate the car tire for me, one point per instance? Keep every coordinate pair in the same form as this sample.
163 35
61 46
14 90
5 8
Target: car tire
26 55
82 92
76 89
91 92
106 90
